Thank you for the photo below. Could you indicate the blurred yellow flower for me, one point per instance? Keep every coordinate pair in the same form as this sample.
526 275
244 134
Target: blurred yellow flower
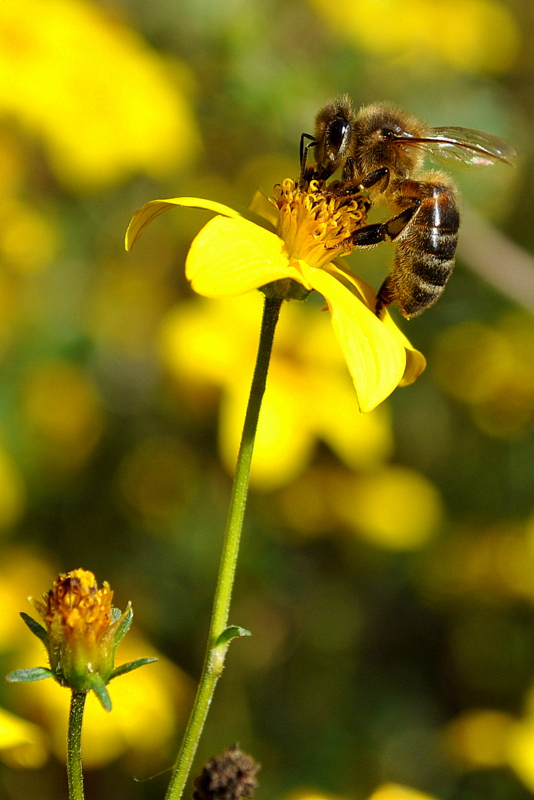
28 240
232 255
22 744
491 368
396 508
520 754
311 794
394 791
495 563
479 738
22 572
103 102
63 412
309 393
12 492
467 35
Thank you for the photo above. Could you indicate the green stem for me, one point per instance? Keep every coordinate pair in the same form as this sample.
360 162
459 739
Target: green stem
216 650
74 746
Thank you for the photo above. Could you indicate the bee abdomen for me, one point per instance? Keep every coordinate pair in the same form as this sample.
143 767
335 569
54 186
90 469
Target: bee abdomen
424 258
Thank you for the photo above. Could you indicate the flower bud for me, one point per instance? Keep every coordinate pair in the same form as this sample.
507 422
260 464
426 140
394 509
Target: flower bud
81 633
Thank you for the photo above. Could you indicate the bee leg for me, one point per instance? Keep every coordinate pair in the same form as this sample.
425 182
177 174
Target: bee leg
370 235
385 296
304 152
348 178
385 232
349 171
375 176
388 231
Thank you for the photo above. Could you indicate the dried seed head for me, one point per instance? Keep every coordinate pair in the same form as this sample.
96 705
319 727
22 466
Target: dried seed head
229 776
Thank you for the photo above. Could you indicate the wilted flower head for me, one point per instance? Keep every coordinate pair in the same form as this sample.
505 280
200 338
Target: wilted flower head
81 634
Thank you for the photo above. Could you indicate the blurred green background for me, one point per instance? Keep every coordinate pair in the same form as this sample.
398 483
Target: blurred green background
387 569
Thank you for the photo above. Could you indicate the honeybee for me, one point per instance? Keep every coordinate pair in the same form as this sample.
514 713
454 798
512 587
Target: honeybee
380 150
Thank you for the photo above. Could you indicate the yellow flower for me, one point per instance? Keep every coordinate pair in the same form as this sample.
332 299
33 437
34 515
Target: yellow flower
67 69
81 627
81 635
491 369
233 254
470 36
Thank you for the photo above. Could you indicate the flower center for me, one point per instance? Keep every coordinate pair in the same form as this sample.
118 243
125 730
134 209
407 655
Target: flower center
75 601
315 219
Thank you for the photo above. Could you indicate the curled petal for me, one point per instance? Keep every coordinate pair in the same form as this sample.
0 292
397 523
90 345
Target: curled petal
415 361
376 357
415 365
154 208
234 256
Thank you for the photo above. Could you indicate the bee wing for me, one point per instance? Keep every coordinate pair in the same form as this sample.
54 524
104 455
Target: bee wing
464 147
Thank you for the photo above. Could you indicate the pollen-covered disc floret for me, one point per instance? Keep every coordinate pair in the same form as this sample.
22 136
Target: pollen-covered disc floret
314 219
81 626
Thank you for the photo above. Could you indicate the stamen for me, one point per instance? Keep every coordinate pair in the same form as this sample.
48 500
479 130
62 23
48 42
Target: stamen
316 218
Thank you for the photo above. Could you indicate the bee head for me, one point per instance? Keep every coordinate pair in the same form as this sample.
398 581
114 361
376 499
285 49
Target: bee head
333 132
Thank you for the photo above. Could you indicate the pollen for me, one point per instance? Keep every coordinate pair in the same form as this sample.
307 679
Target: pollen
316 218
75 601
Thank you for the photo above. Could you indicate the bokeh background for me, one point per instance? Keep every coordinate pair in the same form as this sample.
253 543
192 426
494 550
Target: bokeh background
387 570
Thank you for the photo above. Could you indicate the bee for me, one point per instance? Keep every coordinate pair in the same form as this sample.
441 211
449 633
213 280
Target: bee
380 151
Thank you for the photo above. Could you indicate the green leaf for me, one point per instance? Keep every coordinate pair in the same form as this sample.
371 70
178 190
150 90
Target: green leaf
35 628
231 633
29 675
124 626
130 665
99 688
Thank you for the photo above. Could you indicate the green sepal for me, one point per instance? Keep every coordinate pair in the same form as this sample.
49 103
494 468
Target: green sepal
230 633
35 628
99 688
124 626
130 665
29 675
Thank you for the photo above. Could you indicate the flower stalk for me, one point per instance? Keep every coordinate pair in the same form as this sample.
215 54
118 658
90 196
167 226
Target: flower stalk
220 634
74 746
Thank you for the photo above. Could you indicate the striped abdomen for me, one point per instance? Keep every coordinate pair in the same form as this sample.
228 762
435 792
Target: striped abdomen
424 255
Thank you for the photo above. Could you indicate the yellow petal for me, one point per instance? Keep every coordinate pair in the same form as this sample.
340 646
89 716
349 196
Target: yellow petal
415 365
234 256
376 358
261 205
154 208
415 361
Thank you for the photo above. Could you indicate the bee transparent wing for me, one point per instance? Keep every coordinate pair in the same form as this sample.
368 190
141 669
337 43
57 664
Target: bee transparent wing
467 148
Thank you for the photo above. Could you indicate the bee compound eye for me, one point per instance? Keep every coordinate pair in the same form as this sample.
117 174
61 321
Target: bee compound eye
337 135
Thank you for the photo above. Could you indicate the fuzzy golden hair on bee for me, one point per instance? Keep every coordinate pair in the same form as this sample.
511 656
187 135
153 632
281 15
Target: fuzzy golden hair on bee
382 137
